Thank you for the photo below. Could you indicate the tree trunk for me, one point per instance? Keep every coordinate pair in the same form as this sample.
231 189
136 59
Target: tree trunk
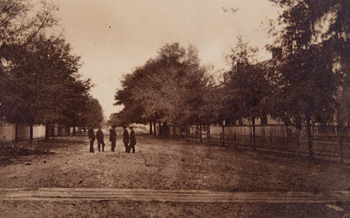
74 131
340 142
47 131
308 130
150 128
160 126
253 123
53 132
155 128
31 133
263 120
16 133
298 126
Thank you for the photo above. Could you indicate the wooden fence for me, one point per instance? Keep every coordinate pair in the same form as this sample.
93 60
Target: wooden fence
11 132
326 143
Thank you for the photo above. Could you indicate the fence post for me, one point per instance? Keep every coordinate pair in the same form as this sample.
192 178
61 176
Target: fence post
287 141
223 134
298 141
16 132
234 140
208 136
251 140
341 148
271 142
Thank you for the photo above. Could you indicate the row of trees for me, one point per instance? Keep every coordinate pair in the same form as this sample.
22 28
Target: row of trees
39 78
307 83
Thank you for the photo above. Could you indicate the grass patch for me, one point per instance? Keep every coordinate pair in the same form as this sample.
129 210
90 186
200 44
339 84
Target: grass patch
9 150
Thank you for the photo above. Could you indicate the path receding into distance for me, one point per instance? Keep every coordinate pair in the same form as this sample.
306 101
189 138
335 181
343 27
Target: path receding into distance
100 194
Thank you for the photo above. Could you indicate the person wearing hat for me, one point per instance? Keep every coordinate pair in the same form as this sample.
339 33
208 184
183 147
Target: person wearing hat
91 135
132 140
126 139
113 137
99 137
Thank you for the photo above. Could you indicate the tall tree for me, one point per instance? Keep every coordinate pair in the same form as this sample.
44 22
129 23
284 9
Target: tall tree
247 87
19 24
42 79
168 88
308 78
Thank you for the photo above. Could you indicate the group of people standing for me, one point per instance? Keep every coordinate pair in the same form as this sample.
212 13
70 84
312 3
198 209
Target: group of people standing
129 140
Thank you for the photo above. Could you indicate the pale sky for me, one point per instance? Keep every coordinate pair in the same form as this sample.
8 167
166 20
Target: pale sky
115 36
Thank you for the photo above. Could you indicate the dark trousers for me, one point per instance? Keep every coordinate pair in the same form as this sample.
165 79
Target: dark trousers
132 147
92 146
113 145
99 145
127 149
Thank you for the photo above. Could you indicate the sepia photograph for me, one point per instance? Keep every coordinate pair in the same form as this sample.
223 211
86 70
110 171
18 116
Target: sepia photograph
174 108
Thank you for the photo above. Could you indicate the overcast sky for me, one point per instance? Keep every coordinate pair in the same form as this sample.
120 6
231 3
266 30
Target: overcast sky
115 36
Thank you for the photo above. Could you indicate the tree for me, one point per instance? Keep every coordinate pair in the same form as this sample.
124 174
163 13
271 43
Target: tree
307 77
92 114
170 88
42 79
20 23
247 87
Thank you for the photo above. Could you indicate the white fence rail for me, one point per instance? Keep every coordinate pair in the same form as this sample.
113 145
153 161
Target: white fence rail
9 132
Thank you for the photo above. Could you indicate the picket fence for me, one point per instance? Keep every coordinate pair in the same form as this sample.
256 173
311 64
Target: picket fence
326 142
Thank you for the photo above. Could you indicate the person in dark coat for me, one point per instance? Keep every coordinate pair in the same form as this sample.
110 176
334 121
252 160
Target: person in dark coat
99 137
132 140
126 139
113 137
91 135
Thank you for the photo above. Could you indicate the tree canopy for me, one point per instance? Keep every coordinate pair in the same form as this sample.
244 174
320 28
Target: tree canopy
315 57
39 78
315 60
171 87
246 87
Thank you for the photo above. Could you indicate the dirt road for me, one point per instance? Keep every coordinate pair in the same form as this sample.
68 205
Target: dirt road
170 166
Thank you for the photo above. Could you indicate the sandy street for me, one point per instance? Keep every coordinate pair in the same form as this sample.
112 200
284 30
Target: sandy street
168 165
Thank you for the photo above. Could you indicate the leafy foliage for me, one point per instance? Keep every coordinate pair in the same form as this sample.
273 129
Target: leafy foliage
171 87
315 58
20 23
247 88
39 79
315 61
